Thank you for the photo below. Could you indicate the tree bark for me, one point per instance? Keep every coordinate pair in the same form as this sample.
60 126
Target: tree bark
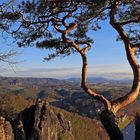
108 121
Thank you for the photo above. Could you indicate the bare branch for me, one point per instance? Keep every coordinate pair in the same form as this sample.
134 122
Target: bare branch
88 45
6 57
135 45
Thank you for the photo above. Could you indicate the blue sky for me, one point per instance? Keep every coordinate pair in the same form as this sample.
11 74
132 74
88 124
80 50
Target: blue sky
106 56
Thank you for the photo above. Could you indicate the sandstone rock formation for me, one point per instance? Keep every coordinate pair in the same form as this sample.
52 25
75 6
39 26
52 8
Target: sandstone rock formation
39 122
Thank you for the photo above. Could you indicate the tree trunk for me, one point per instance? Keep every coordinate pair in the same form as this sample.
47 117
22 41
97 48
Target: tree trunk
108 121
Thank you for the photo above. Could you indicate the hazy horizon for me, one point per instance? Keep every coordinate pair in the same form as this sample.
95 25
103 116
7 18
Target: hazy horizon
109 75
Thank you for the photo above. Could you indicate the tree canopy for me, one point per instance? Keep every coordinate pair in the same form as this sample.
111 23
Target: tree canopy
36 23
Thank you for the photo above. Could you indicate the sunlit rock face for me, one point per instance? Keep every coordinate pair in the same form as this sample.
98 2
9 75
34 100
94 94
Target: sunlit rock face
6 132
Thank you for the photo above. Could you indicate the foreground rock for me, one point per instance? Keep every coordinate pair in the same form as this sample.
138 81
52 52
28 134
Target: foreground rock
38 122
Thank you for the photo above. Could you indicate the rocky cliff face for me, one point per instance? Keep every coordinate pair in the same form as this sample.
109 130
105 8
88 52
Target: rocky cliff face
38 122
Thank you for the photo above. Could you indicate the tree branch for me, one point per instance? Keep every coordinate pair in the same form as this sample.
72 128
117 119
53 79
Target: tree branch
89 91
5 57
135 45
129 21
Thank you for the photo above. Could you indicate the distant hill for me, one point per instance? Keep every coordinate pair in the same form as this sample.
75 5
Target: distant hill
101 80
33 81
66 94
